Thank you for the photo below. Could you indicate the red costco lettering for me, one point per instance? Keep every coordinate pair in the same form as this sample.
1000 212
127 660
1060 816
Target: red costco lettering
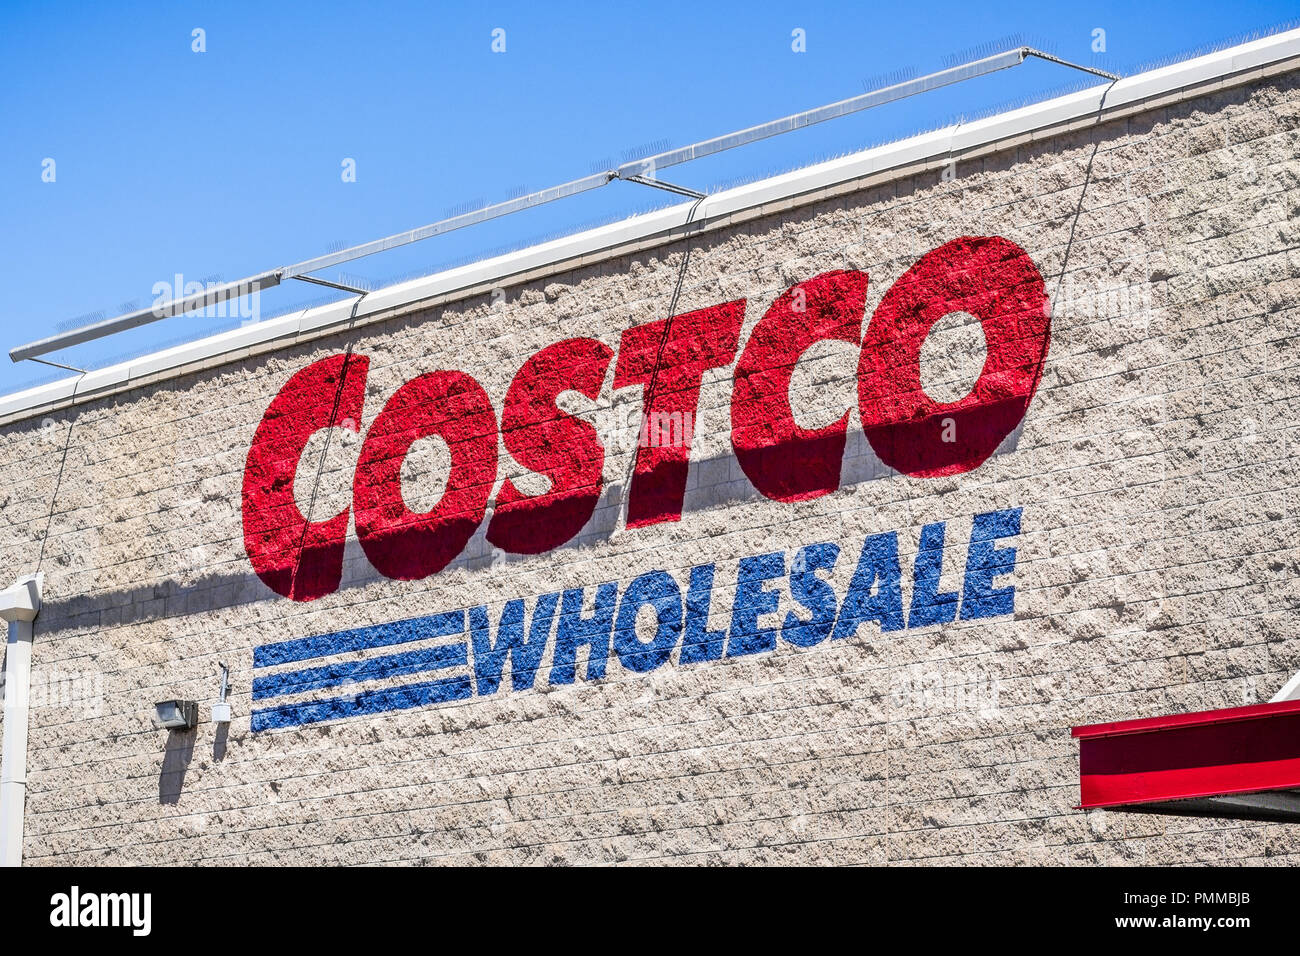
986 276
399 542
293 557
554 444
670 370
995 281
781 459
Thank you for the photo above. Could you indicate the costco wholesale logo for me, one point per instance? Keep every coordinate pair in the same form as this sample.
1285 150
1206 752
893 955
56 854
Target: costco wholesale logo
988 277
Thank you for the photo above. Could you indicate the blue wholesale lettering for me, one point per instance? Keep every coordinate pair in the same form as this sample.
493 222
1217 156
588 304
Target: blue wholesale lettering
984 562
700 643
525 652
576 630
928 605
752 601
876 591
477 652
814 594
659 590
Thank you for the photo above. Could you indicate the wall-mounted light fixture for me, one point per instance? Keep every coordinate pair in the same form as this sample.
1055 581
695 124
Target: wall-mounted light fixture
221 710
176 714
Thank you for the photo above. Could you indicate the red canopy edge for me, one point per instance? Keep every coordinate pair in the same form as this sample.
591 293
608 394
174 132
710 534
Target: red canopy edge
1165 721
1236 750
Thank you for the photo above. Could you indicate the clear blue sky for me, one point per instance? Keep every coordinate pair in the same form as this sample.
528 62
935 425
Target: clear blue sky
228 162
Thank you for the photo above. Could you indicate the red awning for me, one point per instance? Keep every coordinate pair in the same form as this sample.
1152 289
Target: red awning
1237 762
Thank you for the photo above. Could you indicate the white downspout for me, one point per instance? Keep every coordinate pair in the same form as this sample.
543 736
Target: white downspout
19 605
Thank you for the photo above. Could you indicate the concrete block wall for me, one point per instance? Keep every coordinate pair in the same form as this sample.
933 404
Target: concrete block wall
1155 569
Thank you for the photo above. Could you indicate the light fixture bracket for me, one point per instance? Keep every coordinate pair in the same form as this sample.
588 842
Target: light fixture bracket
176 714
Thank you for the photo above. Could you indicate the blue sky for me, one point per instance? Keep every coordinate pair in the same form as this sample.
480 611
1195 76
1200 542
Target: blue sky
228 162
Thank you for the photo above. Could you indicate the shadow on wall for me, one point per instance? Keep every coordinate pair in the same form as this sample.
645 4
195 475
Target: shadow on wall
712 483
176 760
219 742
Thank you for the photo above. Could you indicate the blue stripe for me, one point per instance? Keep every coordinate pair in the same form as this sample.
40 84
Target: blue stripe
377 635
370 702
331 675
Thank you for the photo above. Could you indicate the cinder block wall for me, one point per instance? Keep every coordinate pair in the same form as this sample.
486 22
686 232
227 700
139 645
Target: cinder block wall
1155 568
